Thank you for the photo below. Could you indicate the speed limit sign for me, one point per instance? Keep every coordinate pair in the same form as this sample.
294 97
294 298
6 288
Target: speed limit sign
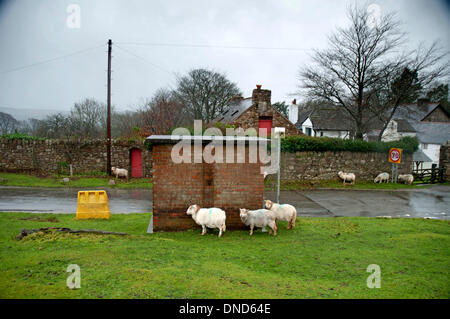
395 155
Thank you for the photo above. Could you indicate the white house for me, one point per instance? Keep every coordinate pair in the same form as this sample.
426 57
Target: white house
324 120
429 122
396 129
431 136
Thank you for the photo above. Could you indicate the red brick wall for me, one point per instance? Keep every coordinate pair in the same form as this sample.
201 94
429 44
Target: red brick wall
227 186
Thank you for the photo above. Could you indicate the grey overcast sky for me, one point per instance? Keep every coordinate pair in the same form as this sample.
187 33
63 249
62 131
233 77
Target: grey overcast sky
36 30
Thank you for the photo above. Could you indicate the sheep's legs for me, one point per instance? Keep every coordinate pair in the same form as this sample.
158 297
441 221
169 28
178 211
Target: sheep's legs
251 230
220 232
273 226
204 230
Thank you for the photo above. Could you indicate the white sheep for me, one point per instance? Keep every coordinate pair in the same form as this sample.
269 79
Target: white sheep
283 212
347 177
119 172
208 217
259 218
382 177
405 178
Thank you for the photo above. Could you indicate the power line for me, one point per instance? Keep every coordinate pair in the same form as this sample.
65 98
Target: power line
213 46
143 59
50 60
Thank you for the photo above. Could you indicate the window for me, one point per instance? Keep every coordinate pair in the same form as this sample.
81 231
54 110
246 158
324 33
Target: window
425 146
308 131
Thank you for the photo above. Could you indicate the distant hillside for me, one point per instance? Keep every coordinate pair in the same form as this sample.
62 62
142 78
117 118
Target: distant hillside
25 114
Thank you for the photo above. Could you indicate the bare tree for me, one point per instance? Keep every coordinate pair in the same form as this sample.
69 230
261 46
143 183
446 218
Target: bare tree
162 113
7 123
363 72
88 118
204 93
125 124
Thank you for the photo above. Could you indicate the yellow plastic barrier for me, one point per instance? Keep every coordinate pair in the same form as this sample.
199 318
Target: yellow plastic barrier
92 204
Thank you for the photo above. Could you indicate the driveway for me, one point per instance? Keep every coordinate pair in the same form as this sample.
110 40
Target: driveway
432 202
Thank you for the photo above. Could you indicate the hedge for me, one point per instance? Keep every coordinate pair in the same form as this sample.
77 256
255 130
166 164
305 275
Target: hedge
20 136
294 144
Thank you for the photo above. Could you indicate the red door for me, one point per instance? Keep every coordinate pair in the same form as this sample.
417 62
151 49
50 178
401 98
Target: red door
265 123
136 162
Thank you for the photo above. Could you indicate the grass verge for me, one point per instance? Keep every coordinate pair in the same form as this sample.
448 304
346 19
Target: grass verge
306 185
320 258
100 180
12 179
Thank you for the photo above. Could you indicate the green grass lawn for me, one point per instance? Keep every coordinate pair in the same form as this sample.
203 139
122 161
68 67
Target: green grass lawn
305 185
12 179
320 258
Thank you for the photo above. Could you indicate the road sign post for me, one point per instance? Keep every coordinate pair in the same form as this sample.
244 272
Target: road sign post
395 157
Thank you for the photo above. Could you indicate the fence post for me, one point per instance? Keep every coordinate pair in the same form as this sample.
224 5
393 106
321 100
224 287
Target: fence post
433 173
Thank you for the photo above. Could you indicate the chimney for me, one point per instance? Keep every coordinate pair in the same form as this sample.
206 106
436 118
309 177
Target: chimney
423 101
261 98
236 99
293 112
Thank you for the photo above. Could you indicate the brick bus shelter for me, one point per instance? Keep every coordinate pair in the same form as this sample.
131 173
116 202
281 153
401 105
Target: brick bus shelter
226 185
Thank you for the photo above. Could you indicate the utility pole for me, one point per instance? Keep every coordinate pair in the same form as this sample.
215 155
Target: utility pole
108 117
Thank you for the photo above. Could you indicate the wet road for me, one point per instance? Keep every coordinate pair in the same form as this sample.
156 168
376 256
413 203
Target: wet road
51 200
432 202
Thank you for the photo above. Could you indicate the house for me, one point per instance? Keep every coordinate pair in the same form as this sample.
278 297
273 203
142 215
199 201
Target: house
431 136
324 120
255 112
429 122
395 130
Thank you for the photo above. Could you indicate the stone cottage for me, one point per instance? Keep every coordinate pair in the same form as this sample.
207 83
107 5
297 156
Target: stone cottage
255 112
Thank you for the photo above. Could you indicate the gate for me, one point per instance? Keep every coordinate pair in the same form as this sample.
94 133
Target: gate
429 175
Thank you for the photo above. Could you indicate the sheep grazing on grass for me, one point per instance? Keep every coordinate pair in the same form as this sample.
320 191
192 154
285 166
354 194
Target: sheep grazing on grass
119 172
259 218
284 212
382 177
347 177
208 217
405 178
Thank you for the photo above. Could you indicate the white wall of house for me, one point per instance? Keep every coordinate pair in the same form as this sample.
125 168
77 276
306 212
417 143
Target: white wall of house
432 151
307 124
307 127
391 133
337 134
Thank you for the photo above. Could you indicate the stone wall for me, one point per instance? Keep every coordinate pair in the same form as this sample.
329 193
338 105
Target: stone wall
444 160
326 165
47 156
44 156
250 119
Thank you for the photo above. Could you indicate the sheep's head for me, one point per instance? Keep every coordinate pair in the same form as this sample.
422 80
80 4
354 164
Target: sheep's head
113 169
268 204
243 212
340 173
193 209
